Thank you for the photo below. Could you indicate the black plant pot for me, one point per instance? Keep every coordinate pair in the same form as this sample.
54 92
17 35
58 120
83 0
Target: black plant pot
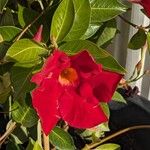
135 112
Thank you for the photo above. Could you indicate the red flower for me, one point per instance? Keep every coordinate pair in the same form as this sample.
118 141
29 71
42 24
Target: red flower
145 4
71 87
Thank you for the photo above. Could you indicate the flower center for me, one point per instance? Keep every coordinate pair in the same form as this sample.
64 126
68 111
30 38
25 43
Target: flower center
68 76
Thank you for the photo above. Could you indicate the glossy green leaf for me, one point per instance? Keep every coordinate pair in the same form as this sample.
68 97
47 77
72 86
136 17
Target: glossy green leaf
92 29
25 51
20 78
101 56
108 32
31 144
81 19
24 114
7 18
138 40
118 98
8 33
26 16
2 4
61 139
109 147
37 146
62 20
104 10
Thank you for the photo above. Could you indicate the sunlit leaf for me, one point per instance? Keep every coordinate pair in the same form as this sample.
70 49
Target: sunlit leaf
37 146
8 33
109 147
25 51
81 20
104 10
62 20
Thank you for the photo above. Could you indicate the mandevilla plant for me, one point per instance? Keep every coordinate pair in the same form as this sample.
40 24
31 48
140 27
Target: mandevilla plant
56 76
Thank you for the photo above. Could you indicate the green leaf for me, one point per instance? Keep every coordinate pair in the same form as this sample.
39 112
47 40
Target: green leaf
8 33
25 51
61 139
62 20
12 146
105 109
37 146
2 4
138 40
148 41
109 147
4 95
5 88
31 144
3 49
20 78
24 114
108 32
26 16
19 135
81 20
118 98
92 29
5 67
7 18
101 56
105 10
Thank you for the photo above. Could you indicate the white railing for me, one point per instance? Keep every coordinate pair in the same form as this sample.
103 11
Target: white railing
128 57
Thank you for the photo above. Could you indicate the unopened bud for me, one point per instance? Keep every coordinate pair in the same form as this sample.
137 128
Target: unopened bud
139 66
38 35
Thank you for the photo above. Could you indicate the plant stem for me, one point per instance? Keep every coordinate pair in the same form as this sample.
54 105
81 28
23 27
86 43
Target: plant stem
143 57
29 25
128 22
7 133
46 142
93 145
39 133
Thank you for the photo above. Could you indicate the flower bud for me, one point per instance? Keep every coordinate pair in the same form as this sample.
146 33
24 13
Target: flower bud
38 35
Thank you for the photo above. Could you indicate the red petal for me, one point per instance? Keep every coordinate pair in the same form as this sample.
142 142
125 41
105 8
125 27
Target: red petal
86 92
79 113
105 84
44 100
85 64
53 65
38 36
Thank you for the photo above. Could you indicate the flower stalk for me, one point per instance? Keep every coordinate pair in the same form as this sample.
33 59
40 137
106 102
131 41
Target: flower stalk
93 145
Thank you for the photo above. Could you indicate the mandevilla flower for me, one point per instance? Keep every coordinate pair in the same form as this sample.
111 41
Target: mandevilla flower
145 4
71 88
